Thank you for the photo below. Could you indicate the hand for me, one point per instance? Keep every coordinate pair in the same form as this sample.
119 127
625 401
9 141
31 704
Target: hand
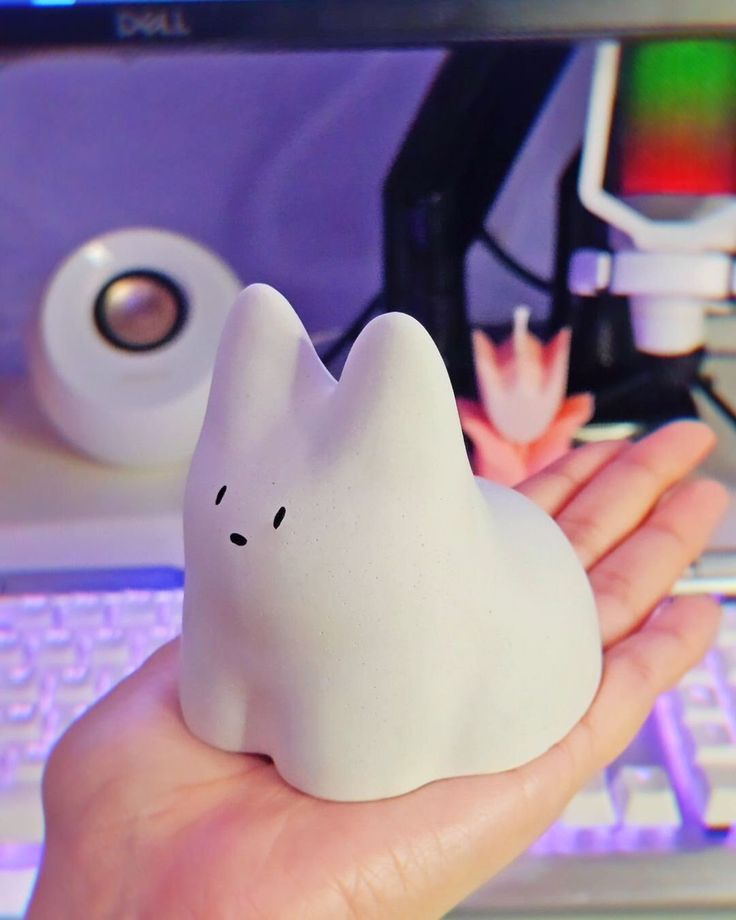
143 820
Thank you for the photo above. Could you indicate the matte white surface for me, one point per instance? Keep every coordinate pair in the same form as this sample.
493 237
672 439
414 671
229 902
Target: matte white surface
700 275
406 621
667 325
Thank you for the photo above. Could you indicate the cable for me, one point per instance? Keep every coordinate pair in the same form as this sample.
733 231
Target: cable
532 279
705 386
353 330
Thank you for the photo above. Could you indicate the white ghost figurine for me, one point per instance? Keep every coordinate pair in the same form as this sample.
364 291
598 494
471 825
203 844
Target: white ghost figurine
358 605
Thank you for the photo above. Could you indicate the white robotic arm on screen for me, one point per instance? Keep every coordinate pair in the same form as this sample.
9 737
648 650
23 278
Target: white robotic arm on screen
672 242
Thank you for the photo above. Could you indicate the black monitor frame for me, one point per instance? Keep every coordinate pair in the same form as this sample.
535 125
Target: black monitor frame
477 112
322 24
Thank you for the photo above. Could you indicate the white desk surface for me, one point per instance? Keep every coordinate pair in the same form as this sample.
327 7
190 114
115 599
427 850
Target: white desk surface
60 510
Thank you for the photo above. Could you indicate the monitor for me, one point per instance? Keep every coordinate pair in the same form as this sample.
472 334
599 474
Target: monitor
346 23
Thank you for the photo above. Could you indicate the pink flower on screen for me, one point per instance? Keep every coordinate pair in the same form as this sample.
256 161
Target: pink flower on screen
523 421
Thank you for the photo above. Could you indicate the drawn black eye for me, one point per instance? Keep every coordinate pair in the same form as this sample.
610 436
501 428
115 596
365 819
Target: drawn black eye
238 539
220 495
280 515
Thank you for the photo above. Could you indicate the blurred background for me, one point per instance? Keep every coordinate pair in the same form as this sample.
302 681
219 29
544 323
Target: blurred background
274 160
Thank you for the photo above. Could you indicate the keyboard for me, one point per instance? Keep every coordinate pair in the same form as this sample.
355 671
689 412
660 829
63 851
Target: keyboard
65 639
657 828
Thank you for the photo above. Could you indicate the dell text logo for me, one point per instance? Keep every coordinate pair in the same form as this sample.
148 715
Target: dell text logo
151 23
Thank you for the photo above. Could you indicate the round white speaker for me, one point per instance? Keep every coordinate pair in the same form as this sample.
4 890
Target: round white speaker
122 348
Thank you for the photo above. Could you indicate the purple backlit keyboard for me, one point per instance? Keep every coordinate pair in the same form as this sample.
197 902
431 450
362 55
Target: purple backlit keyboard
663 815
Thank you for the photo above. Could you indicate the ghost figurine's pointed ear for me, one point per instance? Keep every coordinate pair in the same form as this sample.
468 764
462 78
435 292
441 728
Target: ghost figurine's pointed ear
395 402
266 367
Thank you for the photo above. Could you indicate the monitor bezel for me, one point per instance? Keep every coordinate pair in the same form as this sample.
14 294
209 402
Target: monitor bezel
325 24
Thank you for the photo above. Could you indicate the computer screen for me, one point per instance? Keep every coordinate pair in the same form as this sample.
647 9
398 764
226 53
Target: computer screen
347 23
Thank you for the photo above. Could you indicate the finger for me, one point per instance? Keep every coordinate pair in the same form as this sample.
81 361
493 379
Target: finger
631 579
623 493
555 485
635 672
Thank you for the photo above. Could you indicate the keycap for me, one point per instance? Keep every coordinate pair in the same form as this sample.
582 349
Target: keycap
136 610
75 685
83 612
701 676
163 632
20 685
109 647
644 797
57 649
170 606
13 651
714 743
716 798
22 722
592 806
38 750
699 702
36 613
21 813
726 657
29 770
727 630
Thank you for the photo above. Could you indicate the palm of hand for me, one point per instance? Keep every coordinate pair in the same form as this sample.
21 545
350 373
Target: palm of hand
169 827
